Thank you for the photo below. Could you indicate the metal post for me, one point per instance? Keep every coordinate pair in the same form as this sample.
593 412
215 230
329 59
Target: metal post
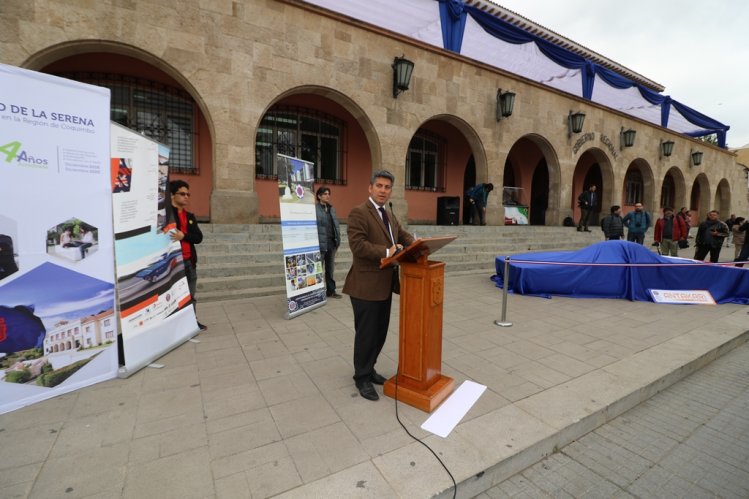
506 278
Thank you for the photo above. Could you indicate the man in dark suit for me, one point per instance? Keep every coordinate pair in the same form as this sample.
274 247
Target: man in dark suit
373 234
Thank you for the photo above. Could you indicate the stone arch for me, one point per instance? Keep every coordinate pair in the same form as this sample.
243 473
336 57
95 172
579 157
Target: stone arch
52 53
678 197
585 173
540 153
465 151
314 97
648 182
722 200
699 199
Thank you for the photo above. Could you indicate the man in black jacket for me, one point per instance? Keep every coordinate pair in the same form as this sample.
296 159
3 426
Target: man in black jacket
187 233
612 225
587 202
710 236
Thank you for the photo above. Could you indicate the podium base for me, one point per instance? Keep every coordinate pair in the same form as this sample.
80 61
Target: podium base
425 400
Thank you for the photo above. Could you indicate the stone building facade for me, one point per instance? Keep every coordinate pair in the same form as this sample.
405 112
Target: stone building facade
234 64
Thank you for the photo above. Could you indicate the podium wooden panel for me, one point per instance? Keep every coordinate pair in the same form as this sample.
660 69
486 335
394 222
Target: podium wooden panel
420 382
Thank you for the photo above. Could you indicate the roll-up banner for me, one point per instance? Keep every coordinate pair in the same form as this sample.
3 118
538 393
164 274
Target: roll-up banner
304 274
154 299
58 326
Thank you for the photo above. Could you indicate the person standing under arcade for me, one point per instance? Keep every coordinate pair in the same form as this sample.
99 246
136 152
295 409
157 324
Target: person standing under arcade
373 234
187 233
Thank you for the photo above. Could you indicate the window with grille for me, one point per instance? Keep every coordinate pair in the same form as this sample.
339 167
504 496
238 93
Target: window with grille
160 112
425 168
305 134
634 186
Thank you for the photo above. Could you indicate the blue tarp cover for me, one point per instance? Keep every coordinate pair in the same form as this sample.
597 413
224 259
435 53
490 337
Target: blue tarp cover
619 269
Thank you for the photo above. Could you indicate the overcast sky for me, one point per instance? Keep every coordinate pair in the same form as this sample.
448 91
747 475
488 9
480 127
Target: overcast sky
698 51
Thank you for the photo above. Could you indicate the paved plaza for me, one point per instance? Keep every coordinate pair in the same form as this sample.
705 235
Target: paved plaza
264 406
691 440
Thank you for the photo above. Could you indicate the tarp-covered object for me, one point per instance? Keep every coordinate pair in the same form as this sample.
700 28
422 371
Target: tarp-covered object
619 269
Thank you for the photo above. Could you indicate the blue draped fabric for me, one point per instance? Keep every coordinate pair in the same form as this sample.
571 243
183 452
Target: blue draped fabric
589 70
545 277
453 20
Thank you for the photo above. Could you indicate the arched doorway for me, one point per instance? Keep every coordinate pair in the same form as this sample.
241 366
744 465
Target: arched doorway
444 158
149 100
673 192
639 187
722 201
533 174
699 199
324 127
593 168
539 193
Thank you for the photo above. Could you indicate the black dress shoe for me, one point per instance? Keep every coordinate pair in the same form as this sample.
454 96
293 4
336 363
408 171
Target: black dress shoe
202 327
367 391
378 379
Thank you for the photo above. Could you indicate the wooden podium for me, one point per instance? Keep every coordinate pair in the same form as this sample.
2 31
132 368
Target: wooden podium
420 382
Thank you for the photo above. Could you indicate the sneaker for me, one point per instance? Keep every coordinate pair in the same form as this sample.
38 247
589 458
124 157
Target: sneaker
202 327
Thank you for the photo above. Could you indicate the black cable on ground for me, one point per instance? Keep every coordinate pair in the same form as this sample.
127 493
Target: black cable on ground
455 485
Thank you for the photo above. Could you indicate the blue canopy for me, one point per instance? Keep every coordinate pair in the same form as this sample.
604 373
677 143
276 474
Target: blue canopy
619 269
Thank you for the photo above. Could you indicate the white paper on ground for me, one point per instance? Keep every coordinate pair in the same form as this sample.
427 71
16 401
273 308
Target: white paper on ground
448 415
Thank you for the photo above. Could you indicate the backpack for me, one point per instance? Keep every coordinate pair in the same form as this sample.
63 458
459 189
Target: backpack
603 222
568 222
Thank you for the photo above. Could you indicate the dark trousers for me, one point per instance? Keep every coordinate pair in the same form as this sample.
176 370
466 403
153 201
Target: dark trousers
584 218
743 256
477 214
702 251
371 322
328 258
192 278
636 237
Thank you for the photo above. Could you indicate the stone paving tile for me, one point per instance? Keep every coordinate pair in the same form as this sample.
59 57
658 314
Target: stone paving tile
184 475
325 451
97 471
167 444
278 366
28 446
303 415
566 365
286 388
260 431
87 433
360 481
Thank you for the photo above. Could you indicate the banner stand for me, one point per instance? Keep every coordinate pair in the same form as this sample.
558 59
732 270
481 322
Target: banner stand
182 320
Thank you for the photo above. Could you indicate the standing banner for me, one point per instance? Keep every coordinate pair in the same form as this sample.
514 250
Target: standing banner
155 311
58 330
305 278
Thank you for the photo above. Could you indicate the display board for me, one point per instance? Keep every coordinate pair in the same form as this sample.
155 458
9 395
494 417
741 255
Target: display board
58 327
303 266
154 298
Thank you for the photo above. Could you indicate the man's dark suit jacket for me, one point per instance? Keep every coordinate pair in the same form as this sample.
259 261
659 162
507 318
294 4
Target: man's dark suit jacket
369 240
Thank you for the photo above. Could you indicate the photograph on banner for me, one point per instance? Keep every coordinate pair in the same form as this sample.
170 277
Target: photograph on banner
304 273
58 330
151 280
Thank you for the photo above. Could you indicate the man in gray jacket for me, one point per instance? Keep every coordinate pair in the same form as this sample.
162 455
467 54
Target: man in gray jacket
329 234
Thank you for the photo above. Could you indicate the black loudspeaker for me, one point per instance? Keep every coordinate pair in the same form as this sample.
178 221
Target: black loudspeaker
448 210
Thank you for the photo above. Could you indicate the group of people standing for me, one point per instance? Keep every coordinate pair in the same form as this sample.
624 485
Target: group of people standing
671 231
